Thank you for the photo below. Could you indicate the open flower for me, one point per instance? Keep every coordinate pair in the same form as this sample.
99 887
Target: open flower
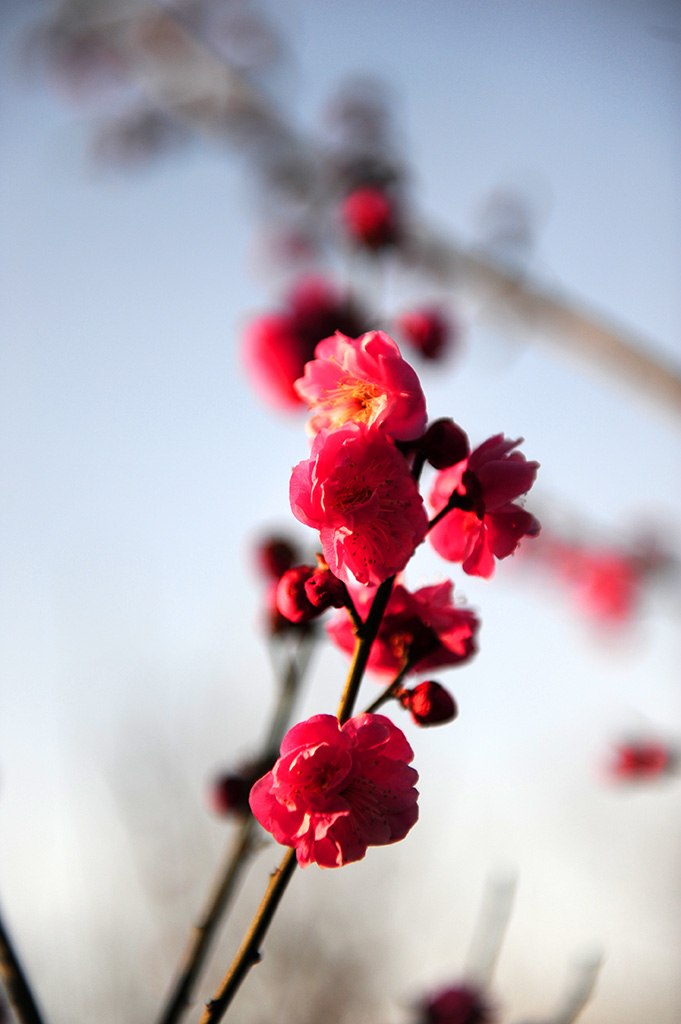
364 380
358 491
423 627
336 789
484 522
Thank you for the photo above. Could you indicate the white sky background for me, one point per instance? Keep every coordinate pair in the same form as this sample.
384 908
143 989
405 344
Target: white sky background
136 465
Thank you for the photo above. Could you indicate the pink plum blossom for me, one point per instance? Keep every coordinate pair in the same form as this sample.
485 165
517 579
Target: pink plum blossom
336 790
364 380
358 491
424 626
484 523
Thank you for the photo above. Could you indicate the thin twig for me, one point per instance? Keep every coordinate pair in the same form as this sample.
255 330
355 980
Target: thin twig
243 844
15 983
249 952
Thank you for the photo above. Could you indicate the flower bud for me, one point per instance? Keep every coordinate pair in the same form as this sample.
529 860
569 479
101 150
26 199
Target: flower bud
369 217
324 590
429 703
642 760
227 794
274 556
461 1004
444 444
427 331
292 601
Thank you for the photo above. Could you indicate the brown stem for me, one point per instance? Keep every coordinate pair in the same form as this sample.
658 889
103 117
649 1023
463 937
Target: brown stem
249 952
198 945
365 638
201 936
15 983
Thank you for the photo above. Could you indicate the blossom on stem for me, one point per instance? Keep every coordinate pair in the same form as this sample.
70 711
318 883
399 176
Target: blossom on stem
357 489
483 522
337 790
364 380
423 628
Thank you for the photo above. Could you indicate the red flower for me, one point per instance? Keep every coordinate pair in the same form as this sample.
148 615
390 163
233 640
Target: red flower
358 491
642 760
461 1004
426 330
337 790
370 217
423 626
364 380
277 346
484 523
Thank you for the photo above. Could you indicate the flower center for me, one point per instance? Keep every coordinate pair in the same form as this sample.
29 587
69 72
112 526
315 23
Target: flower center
354 399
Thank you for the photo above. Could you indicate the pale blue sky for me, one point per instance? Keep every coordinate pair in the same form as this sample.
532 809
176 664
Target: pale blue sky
136 463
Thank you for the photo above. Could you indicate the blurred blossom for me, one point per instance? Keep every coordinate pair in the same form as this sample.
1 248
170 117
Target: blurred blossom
227 793
607 582
274 555
461 1004
277 346
642 760
427 330
370 217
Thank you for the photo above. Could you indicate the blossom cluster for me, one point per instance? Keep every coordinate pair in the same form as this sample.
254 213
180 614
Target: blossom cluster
342 785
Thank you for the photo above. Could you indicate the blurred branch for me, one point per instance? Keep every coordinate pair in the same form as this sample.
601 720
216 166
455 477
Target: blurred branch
239 852
185 79
15 983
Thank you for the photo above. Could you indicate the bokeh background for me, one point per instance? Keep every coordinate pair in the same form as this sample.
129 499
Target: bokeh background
139 469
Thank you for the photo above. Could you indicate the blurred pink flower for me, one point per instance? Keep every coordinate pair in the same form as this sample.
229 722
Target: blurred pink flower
358 491
642 761
461 1004
336 789
423 626
369 216
426 330
364 380
484 522
276 346
608 583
